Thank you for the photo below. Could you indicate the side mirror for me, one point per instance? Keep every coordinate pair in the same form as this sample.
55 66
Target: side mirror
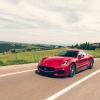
80 56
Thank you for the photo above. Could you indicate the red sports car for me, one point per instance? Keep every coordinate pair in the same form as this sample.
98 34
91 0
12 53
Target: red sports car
66 63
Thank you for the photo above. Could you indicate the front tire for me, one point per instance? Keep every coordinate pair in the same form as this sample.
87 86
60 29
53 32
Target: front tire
72 70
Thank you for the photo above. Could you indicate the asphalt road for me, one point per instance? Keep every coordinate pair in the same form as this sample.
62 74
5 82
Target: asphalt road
21 82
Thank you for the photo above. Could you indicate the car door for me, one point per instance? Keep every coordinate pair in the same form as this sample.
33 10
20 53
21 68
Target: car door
85 59
82 61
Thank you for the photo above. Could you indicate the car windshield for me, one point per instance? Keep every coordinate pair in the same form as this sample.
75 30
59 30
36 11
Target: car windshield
68 53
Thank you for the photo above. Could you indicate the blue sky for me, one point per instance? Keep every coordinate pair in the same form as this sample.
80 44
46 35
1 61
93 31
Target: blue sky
50 21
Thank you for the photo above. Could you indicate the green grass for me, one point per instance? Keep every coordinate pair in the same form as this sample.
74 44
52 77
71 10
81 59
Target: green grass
33 56
95 53
25 57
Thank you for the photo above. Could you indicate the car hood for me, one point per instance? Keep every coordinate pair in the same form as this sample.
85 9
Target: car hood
54 61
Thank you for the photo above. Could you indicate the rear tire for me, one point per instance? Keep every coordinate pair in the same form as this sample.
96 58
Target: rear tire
72 70
91 62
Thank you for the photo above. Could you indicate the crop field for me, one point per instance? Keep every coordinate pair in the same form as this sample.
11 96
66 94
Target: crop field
33 56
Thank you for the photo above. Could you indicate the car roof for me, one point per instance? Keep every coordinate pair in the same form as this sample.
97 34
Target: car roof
74 50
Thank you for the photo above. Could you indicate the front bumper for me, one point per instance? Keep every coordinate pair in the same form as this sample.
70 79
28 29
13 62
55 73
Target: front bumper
59 71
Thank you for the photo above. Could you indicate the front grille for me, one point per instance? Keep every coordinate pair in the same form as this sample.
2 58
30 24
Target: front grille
45 68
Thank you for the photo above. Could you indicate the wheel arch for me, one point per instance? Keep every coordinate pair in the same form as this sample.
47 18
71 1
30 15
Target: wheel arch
69 74
75 66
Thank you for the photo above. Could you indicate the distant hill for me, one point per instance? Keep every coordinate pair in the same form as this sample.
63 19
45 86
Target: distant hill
21 47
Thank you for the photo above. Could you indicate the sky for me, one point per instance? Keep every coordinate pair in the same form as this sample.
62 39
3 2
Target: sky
50 21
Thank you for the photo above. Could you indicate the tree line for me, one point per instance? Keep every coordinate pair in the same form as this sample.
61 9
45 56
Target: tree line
86 46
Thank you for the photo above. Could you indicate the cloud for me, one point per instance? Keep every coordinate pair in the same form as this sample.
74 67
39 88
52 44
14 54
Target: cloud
78 20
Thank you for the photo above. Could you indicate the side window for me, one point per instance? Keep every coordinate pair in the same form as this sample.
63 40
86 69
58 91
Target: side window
82 53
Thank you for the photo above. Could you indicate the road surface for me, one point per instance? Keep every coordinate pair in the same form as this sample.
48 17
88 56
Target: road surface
21 82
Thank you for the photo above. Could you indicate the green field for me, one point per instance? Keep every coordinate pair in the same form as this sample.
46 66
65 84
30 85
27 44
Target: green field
33 56
95 53
25 57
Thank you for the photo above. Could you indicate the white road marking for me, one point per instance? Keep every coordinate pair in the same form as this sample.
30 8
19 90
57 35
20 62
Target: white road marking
14 73
58 94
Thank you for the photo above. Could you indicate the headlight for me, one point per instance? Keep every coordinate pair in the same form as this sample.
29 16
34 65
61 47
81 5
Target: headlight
64 63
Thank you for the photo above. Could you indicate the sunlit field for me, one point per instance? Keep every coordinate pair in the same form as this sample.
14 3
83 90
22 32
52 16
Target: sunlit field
25 57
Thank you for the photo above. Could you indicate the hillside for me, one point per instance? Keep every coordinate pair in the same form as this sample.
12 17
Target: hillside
22 47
